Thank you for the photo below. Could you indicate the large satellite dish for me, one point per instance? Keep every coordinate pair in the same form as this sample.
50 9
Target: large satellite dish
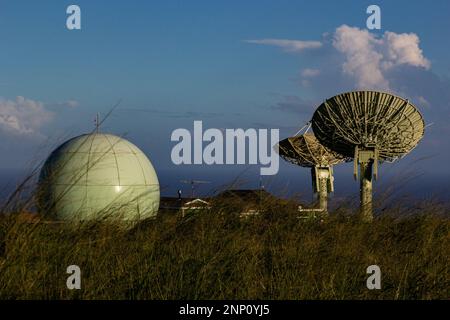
371 127
306 151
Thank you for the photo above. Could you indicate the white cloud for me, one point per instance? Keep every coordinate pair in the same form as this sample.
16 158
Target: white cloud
23 116
362 59
307 73
404 49
289 45
71 103
63 104
367 58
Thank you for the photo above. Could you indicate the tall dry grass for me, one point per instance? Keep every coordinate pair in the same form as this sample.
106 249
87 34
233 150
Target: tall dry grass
216 254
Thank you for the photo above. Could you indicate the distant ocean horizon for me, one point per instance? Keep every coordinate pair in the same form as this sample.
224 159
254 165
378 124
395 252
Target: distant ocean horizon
285 184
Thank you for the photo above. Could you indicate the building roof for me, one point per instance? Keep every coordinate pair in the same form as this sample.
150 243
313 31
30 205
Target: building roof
174 203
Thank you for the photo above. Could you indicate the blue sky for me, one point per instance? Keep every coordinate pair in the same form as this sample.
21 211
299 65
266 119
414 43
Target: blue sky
173 62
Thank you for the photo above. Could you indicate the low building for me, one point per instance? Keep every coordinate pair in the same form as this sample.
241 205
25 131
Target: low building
245 202
182 205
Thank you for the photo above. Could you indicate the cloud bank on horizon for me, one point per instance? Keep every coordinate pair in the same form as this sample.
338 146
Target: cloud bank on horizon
25 117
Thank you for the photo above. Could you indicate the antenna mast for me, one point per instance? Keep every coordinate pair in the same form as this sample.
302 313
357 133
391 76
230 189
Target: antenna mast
97 122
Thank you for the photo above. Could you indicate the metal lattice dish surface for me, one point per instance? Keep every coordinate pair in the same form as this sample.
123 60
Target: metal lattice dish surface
368 119
306 151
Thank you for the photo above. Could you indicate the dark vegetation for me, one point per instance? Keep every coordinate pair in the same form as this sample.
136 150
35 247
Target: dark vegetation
217 254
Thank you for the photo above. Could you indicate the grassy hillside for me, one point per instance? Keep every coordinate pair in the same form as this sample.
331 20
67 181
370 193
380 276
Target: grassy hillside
215 254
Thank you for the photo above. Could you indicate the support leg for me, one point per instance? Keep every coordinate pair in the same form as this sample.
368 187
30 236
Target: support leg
366 191
323 194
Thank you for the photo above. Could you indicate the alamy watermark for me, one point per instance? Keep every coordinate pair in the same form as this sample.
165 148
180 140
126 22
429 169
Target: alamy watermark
374 280
73 21
374 20
74 280
227 146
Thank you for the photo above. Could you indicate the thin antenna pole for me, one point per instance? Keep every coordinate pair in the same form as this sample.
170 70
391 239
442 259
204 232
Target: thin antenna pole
97 122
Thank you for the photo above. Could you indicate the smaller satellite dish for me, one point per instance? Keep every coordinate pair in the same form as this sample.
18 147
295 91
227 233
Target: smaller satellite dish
306 151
